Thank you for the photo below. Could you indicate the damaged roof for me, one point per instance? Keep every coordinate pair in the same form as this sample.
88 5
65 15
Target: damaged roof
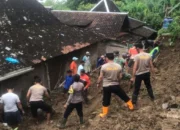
109 25
29 33
104 23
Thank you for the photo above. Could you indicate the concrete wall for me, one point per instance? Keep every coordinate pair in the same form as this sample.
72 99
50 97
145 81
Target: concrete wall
116 46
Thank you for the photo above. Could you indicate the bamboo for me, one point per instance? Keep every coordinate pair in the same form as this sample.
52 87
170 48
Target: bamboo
48 78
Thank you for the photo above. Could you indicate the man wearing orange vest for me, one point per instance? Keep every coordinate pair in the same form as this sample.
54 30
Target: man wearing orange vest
132 52
73 65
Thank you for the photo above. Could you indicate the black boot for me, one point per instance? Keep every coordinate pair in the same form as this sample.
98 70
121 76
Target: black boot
151 95
63 124
81 120
134 99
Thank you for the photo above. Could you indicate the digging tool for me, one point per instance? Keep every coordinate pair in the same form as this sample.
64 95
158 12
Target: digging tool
95 70
61 84
58 82
156 59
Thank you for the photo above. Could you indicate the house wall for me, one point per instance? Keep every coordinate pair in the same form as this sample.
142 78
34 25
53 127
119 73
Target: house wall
59 65
116 46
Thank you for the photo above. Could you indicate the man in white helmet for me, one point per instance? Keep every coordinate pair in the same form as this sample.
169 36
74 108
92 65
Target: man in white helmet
87 65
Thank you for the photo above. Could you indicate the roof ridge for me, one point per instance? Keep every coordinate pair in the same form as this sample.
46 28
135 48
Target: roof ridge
105 6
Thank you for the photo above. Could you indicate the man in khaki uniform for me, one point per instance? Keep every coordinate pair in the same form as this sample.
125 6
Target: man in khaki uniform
141 72
111 73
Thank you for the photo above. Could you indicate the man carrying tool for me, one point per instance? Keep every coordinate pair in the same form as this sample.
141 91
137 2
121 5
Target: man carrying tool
111 73
141 72
68 82
73 65
86 81
35 99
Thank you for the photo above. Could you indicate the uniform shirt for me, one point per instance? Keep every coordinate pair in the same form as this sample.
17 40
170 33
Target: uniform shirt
75 92
111 73
37 92
80 67
10 101
86 80
143 63
133 52
73 67
68 82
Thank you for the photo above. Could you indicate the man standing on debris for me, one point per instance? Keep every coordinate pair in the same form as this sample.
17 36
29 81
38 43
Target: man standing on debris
132 52
73 65
87 65
86 81
111 73
100 61
118 59
35 98
154 52
80 67
121 61
10 102
74 101
141 72
68 81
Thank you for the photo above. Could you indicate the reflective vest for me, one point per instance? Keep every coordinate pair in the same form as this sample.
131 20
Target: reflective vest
156 48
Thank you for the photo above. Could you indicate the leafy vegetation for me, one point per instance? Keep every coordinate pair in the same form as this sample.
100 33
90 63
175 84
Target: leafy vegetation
152 12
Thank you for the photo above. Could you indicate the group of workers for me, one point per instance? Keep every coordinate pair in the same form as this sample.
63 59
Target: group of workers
112 70
13 109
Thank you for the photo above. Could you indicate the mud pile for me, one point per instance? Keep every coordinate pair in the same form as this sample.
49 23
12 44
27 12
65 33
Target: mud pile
149 115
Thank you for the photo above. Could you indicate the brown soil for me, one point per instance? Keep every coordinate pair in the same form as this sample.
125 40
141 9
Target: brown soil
148 116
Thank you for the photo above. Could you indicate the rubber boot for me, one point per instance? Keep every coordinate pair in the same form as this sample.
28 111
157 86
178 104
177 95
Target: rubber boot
151 95
63 124
134 99
104 112
81 120
130 105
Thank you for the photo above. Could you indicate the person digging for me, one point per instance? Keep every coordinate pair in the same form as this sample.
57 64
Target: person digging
111 73
74 101
35 99
121 61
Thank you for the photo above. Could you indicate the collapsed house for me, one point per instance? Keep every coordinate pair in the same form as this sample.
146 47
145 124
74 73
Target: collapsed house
44 42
